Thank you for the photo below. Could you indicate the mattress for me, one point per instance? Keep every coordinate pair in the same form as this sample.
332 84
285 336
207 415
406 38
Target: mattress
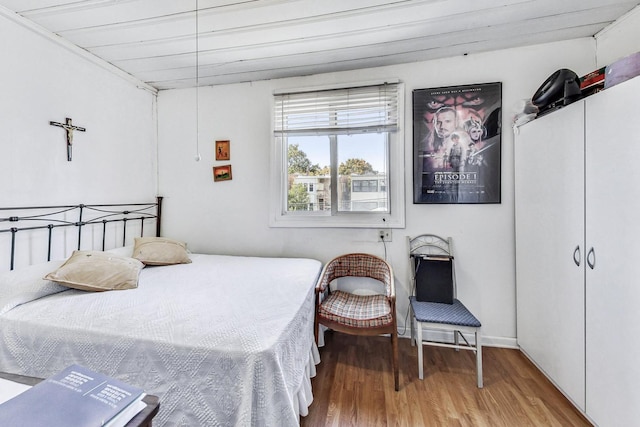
223 341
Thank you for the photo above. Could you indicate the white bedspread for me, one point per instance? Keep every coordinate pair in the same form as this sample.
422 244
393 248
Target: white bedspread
224 341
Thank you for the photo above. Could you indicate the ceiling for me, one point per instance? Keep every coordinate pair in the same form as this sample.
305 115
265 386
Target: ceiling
249 40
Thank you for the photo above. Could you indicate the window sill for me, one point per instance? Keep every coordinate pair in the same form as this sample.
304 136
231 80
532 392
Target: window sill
341 221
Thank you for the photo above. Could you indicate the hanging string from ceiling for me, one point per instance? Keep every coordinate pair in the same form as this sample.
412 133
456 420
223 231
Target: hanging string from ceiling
197 156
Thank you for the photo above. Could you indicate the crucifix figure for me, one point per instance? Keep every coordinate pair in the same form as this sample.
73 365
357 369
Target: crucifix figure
69 127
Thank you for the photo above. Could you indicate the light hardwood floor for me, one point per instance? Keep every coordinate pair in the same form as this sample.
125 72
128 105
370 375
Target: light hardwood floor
354 387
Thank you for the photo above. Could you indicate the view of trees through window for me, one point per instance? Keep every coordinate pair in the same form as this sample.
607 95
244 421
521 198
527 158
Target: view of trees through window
361 175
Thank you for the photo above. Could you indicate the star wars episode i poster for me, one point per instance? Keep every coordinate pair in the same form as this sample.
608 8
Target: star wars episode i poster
457 144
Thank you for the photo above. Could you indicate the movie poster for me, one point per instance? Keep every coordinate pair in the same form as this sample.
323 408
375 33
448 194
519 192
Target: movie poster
457 144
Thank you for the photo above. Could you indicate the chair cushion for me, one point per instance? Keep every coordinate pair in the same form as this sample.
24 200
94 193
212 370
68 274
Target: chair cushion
451 314
357 311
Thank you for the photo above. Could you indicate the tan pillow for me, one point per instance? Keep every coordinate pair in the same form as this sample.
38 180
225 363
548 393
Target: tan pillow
97 271
160 251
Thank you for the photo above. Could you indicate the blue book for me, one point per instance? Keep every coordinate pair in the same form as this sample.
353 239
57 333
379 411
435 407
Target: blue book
75 397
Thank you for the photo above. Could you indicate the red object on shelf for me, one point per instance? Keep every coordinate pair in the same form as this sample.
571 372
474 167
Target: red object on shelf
593 78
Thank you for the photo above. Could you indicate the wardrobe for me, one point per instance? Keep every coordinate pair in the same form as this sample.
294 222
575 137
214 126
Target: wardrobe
577 207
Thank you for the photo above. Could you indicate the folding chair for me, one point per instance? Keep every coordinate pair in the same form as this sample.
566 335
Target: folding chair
434 303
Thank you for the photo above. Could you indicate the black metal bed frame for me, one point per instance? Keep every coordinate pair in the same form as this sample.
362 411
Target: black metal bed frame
48 218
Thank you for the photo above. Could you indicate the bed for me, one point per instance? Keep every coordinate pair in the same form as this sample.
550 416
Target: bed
222 340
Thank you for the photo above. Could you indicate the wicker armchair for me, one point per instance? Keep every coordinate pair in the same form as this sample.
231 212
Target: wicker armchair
358 314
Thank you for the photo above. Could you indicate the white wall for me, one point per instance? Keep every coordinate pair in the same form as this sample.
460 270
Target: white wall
620 39
113 161
232 216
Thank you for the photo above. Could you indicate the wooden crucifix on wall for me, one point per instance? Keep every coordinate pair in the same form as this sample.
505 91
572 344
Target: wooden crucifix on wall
69 127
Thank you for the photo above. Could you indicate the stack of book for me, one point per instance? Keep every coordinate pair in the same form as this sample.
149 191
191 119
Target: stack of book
75 397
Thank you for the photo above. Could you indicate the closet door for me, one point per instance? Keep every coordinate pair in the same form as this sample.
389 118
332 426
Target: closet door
549 171
613 231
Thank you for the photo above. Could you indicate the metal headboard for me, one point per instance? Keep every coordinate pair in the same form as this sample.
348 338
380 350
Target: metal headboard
48 218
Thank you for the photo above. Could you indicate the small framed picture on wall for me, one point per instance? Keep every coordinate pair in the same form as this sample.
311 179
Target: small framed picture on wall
222 173
222 150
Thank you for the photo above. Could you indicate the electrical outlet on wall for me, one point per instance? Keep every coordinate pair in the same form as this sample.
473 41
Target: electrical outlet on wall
384 235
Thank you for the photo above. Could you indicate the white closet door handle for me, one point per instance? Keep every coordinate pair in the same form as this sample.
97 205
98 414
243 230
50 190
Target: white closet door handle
577 256
591 258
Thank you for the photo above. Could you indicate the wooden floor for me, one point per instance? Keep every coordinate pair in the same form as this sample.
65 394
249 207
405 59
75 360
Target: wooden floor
354 387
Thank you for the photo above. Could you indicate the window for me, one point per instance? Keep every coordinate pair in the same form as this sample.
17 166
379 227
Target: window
364 186
346 144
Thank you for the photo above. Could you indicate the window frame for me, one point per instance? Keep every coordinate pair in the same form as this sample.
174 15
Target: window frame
395 180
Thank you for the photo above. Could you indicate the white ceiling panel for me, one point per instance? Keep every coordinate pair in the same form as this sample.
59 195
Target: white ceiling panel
246 40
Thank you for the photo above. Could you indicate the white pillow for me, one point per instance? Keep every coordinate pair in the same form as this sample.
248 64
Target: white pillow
126 251
25 284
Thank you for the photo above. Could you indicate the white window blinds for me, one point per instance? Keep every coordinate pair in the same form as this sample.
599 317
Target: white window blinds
337 111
